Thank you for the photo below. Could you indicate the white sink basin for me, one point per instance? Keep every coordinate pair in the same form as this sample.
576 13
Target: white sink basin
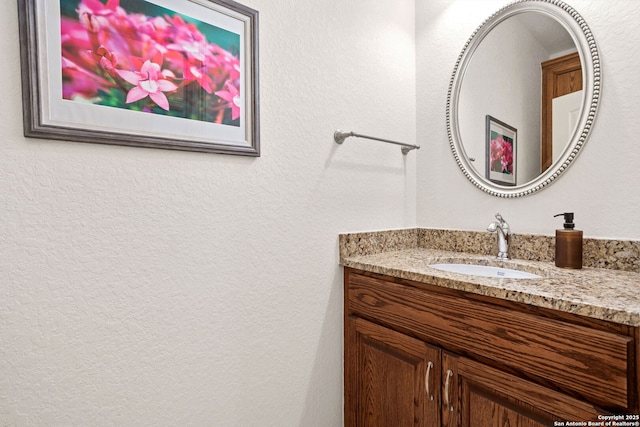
485 271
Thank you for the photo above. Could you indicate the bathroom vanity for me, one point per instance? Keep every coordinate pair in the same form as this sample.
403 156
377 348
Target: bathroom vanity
425 347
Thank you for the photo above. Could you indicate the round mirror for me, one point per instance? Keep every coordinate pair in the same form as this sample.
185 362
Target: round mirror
523 97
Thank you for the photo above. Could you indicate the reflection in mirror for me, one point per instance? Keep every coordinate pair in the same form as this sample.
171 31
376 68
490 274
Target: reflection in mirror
503 80
526 86
562 98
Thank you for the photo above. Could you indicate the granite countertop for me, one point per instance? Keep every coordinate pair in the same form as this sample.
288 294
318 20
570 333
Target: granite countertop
606 294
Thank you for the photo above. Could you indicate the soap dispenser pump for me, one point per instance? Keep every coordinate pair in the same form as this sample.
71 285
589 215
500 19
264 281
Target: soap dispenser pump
568 244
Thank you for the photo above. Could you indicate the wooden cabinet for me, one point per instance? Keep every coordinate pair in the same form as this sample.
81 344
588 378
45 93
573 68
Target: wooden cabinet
392 388
421 355
486 396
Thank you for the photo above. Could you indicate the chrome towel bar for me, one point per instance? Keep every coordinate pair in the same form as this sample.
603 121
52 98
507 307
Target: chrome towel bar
339 137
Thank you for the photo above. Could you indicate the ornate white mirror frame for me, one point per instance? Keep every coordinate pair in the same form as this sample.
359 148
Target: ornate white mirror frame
576 26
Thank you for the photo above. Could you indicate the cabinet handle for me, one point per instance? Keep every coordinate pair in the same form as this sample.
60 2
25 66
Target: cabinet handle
429 367
447 402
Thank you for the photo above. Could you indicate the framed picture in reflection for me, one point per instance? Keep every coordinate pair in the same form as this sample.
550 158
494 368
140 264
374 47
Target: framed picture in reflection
501 152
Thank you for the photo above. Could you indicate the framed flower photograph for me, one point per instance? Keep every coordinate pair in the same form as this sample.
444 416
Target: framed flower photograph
501 150
171 74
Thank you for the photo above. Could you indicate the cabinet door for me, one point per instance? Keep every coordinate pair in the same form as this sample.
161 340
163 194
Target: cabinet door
386 380
484 396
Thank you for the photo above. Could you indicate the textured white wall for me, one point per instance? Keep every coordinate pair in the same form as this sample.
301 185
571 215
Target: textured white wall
601 187
150 287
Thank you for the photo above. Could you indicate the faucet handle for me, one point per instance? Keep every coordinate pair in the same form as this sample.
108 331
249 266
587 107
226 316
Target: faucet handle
503 223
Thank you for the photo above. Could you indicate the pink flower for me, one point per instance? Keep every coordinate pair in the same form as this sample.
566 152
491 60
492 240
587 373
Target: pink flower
501 153
106 59
507 158
80 83
107 48
149 81
93 14
225 61
232 96
199 74
188 40
195 49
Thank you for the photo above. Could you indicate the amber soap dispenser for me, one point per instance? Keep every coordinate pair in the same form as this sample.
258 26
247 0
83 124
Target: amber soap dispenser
568 244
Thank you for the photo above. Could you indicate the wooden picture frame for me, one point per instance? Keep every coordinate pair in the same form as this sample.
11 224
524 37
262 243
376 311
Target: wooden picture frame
501 152
170 74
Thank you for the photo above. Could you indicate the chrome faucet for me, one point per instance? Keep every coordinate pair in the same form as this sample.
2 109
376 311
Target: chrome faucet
503 232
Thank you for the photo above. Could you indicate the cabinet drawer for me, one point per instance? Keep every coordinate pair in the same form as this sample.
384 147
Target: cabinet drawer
591 364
